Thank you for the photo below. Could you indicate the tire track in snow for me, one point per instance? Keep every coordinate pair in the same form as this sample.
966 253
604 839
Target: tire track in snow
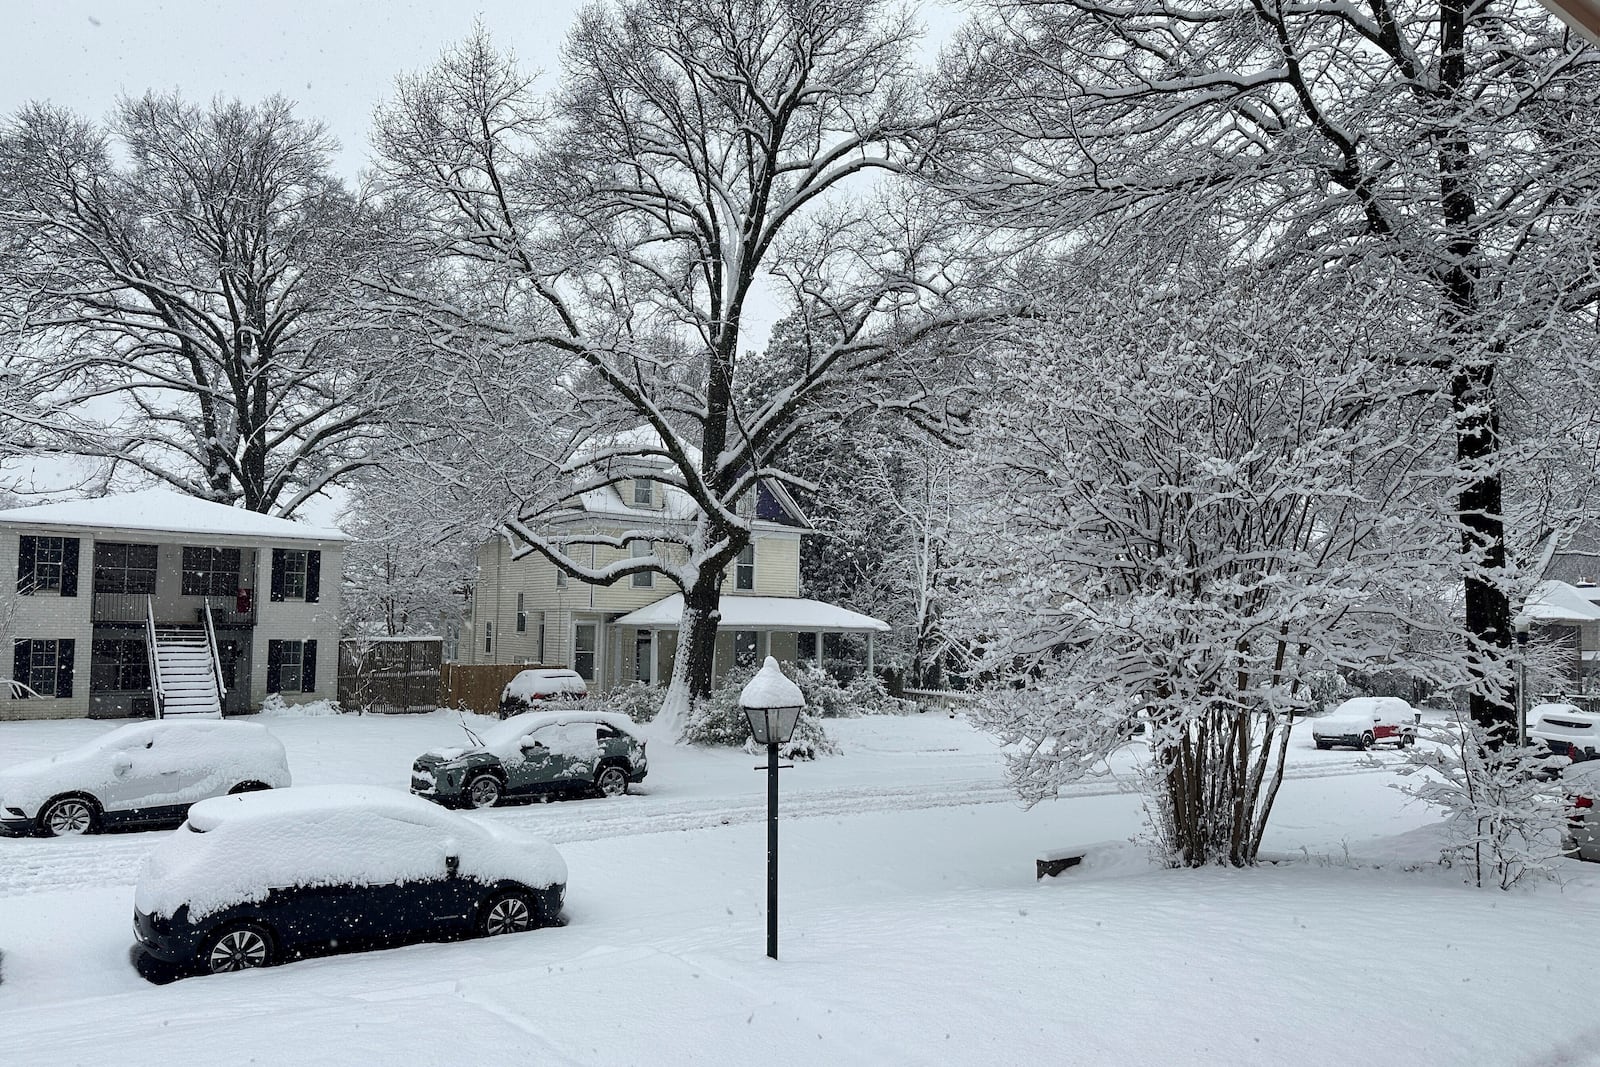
32 865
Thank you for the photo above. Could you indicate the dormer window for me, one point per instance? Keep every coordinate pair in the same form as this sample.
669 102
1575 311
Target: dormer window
644 493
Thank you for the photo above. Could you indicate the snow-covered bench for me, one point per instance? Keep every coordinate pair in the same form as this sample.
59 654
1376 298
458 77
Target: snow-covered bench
1056 860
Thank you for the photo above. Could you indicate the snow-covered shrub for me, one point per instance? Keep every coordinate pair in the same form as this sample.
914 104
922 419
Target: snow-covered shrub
1227 488
1503 818
276 706
639 701
719 720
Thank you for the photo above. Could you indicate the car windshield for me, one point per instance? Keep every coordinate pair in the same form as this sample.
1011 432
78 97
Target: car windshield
508 733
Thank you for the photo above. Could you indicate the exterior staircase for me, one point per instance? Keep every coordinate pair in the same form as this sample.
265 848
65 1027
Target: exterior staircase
184 670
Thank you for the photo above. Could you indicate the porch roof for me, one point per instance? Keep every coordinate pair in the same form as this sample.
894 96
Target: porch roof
761 613
164 511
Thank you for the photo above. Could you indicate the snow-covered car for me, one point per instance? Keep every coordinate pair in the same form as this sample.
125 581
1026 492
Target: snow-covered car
532 687
1364 721
141 774
540 753
1582 785
254 879
1565 730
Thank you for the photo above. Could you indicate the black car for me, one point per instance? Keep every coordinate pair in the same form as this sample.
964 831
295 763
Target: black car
254 879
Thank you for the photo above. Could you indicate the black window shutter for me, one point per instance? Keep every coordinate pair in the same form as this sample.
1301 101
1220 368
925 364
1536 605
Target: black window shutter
308 666
274 661
277 574
21 661
27 549
313 575
69 569
65 658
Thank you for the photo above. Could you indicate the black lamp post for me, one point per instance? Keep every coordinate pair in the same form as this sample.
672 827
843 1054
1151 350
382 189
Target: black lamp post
1521 624
772 703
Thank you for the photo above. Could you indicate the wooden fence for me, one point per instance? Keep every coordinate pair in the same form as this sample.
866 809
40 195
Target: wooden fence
398 675
390 674
476 686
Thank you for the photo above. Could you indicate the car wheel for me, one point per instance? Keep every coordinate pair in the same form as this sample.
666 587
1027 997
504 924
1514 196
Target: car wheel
1408 740
507 913
484 791
1324 745
1368 741
248 787
612 781
68 817
237 948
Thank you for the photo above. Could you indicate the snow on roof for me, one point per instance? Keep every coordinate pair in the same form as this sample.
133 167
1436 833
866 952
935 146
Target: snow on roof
1553 601
168 512
770 689
762 613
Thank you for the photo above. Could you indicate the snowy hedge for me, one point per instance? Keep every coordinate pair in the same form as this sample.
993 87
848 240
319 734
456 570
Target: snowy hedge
719 720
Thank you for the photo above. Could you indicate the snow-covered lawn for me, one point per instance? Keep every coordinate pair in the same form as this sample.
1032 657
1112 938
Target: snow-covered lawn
912 930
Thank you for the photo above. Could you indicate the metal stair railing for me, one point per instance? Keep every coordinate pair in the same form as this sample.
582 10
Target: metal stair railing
156 691
216 660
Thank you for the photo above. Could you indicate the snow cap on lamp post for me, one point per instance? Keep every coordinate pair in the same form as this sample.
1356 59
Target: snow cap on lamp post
772 703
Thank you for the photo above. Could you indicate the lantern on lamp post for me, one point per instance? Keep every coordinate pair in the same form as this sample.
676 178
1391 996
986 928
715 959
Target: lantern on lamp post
773 704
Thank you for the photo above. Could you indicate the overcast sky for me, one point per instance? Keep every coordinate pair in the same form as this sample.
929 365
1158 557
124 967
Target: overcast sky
337 59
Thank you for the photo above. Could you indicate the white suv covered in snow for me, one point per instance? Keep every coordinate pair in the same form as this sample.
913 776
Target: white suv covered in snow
1364 721
146 773
1565 730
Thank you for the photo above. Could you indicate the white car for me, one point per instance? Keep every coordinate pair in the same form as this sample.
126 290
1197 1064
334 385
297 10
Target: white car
146 773
1364 721
1565 730
531 687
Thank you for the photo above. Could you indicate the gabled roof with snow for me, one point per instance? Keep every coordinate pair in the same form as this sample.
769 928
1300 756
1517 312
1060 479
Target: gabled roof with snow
164 511
1558 602
617 455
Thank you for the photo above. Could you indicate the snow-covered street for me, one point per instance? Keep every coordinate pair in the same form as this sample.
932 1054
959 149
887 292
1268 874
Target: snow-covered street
912 930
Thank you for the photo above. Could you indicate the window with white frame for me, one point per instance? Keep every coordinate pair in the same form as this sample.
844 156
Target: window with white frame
744 569
488 638
644 493
643 579
48 557
295 566
522 614
744 647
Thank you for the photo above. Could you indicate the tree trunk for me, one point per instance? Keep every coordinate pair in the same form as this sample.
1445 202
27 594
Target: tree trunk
697 643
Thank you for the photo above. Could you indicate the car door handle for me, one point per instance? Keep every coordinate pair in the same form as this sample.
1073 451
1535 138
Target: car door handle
165 773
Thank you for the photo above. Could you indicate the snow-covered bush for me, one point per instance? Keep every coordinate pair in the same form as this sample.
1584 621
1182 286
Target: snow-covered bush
1226 489
276 706
828 698
639 701
1503 818
719 720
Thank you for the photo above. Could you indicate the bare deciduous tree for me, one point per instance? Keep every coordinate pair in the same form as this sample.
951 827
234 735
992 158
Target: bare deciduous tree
176 280
697 152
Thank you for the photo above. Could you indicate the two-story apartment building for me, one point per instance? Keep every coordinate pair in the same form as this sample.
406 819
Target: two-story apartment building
154 602
527 610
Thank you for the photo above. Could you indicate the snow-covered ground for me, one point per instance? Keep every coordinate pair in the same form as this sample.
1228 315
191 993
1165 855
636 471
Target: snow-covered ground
912 930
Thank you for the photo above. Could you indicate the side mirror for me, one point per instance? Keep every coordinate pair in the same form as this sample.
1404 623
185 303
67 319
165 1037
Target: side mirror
121 764
529 743
452 865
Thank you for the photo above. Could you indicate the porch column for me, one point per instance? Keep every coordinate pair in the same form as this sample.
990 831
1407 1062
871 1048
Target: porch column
819 650
869 654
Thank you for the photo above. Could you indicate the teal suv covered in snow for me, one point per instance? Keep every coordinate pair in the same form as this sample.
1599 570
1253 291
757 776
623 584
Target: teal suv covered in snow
538 754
